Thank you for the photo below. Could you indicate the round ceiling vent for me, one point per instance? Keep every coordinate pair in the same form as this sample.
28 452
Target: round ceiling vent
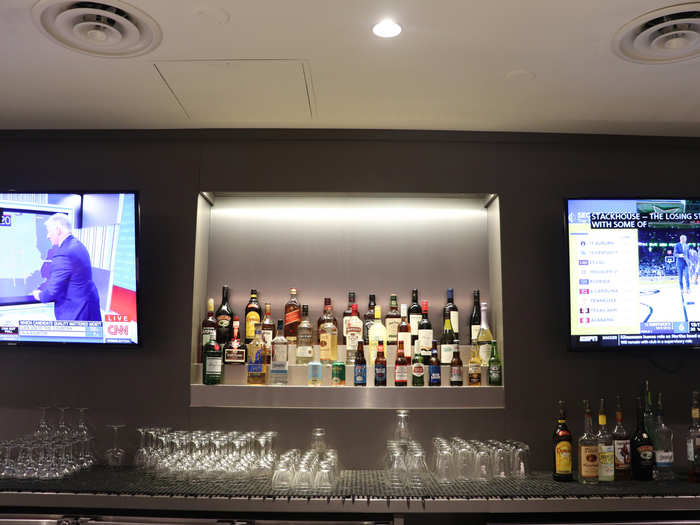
661 36
105 29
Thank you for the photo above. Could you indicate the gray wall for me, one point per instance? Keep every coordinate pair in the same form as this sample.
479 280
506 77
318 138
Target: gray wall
531 173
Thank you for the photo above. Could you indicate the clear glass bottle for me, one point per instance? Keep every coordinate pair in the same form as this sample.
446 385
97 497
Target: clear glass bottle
692 440
663 447
346 315
606 450
377 334
622 446
328 335
315 368
392 320
256 358
485 337
588 449
279 367
353 334
304 335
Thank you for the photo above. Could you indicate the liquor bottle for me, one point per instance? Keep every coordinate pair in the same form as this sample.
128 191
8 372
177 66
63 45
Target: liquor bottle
563 453
234 351
360 369
368 318
253 315
606 450
663 448
208 328
417 369
392 320
380 367
328 335
693 439
292 317
456 369
346 316
401 367
315 368
212 363
321 319
425 333
224 316
404 332
495 367
268 327
434 369
447 341
415 314
649 415
642 449
474 368
256 358
338 373
475 320
304 335
484 338
353 331
451 312
377 334
621 444
588 449
279 368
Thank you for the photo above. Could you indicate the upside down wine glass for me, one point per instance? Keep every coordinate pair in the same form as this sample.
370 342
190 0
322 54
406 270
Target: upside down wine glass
115 455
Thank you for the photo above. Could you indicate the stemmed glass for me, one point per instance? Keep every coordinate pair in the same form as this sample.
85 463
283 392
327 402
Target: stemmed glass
8 467
43 430
141 456
63 431
115 455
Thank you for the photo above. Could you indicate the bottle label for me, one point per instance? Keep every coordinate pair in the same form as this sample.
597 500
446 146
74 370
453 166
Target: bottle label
346 319
446 353
456 374
315 372
380 373
646 454
413 320
360 374
279 372
434 371
406 338
250 319
325 341
474 374
589 461
485 352
353 332
213 366
418 370
208 334
291 317
305 351
562 458
664 458
695 413
392 328
224 321
606 463
402 373
454 321
255 368
280 352
690 449
602 419
475 332
495 375
425 339
267 336
623 460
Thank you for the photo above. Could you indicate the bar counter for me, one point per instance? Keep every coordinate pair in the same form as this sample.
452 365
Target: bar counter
357 492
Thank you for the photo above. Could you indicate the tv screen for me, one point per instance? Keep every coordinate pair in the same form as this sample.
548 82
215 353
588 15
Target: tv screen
68 268
633 273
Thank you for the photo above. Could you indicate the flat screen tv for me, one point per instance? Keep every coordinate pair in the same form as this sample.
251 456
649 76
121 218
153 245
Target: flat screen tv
633 266
69 268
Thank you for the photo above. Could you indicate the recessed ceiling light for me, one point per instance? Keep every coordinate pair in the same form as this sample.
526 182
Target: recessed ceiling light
387 28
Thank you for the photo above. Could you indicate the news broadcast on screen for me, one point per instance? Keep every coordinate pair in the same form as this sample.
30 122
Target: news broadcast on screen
633 273
68 268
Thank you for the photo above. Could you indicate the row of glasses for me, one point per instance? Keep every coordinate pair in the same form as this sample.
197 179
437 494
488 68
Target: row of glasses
405 465
306 472
46 459
473 460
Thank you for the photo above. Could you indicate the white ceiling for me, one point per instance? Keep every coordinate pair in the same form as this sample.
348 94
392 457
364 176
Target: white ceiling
449 69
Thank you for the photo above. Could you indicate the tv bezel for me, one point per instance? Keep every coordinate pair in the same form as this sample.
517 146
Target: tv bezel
137 250
567 293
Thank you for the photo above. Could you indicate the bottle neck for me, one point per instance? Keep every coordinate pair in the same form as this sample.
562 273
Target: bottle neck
588 423
618 417
447 326
414 296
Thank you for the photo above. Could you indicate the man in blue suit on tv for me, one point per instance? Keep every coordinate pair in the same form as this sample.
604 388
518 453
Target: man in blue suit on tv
680 252
69 286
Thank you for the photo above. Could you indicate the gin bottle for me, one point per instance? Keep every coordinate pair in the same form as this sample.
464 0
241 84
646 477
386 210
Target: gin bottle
663 445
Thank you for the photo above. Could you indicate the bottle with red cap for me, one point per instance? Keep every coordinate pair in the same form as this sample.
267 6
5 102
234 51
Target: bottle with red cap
425 333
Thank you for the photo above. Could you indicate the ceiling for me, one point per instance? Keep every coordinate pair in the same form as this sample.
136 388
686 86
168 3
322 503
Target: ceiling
540 65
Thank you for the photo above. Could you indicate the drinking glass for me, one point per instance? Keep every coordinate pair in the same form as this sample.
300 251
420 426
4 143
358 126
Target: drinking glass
482 465
43 429
402 433
115 455
283 477
7 470
141 456
416 469
318 440
443 465
396 469
62 430
325 476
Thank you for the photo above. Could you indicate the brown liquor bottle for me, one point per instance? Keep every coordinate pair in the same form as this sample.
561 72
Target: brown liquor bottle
346 315
208 328
268 327
326 314
621 446
253 315
292 317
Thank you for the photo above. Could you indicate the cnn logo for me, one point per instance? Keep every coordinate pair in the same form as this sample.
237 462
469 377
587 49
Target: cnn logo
118 330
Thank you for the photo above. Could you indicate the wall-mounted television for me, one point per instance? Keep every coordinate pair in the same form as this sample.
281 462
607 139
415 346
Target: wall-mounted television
69 268
634 269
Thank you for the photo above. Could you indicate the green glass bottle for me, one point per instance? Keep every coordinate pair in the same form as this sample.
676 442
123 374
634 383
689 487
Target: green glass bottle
495 367
212 363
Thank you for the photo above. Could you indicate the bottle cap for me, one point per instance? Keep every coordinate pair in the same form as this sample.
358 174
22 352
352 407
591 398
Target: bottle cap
236 318
326 301
424 306
305 309
354 308
293 291
351 297
280 324
210 304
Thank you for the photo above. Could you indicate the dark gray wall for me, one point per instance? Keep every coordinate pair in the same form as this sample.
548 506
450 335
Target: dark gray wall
531 173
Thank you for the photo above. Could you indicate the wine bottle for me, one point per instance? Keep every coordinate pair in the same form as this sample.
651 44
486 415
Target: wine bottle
415 314
425 333
451 311
447 341
475 320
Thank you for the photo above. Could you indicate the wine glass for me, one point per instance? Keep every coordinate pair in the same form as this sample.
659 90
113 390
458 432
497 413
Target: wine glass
43 430
62 430
115 456
141 456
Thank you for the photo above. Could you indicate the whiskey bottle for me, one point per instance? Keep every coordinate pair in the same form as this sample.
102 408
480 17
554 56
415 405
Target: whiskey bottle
588 449
563 450
663 448
360 368
415 314
451 312
292 317
328 335
692 441
346 316
268 327
304 335
404 332
208 328
417 370
456 369
495 367
212 363
253 315
368 318
425 333
392 320
642 449
279 368
224 315
401 367
380 367
606 454
434 368
475 319
447 341
377 334
621 444
256 358
353 329
326 313
484 338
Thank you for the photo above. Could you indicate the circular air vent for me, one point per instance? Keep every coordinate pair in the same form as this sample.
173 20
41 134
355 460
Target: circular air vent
113 29
661 36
